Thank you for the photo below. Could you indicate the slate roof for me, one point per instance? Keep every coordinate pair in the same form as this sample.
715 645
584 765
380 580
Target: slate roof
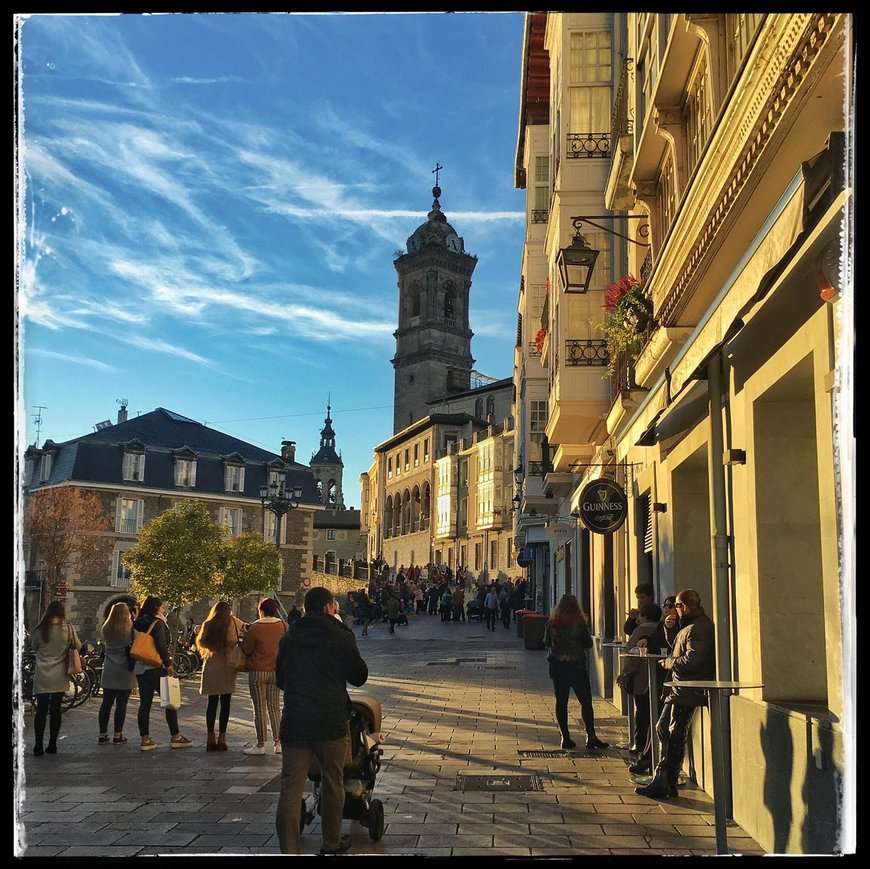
98 457
337 519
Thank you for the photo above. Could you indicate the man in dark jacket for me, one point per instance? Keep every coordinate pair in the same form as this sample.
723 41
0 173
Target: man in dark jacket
693 657
316 660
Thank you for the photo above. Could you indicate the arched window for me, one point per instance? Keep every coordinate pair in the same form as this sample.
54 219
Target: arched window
320 491
478 408
490 406
450 304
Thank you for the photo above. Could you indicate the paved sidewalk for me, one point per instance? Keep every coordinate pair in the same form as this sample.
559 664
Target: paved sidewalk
457 700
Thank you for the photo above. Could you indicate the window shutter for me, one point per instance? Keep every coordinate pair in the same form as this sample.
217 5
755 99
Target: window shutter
115 558
118 515
648 527
140 512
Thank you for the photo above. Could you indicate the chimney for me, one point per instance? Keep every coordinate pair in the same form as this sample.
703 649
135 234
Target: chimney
122 414
288 451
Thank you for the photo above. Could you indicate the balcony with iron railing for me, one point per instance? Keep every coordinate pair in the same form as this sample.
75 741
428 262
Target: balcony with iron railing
587 145
619 193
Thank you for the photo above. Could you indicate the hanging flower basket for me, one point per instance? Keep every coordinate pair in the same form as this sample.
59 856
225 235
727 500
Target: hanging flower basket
629 311
540 336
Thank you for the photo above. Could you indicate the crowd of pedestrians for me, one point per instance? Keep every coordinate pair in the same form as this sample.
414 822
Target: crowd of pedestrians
315 713
434 590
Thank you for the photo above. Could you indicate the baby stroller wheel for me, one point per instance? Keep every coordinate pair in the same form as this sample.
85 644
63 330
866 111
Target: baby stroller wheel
376 820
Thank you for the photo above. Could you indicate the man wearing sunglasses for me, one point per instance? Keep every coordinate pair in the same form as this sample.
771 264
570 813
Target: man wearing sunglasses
693 656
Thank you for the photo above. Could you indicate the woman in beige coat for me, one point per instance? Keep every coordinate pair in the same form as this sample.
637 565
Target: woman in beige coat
52 639
216 638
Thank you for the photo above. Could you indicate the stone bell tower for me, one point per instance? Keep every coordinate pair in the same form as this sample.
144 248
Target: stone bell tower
433 341
327 467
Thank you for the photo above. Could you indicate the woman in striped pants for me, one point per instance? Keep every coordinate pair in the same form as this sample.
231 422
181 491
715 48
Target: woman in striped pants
261 648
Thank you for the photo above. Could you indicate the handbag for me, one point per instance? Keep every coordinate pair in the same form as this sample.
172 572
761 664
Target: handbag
237 657
73 659
144 648
170 692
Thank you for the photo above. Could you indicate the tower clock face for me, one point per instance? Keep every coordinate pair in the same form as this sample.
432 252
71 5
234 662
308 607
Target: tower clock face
413 244
453 243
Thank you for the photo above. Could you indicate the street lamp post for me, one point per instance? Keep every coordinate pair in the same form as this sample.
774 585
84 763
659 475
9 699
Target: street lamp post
279 501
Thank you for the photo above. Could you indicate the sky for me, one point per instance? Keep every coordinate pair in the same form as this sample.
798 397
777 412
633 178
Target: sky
209 206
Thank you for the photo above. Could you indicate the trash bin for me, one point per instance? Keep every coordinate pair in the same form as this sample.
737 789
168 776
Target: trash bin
533 630
521 614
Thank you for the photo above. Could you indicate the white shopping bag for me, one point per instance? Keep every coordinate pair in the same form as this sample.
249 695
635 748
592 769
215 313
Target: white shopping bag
170 692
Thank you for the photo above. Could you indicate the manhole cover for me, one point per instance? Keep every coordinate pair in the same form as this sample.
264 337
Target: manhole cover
496 782
544 753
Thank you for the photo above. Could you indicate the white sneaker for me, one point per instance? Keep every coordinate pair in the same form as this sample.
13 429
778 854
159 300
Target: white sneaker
256 749
277 748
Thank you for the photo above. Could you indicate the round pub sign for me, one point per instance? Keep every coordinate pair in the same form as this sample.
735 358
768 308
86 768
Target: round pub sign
603 506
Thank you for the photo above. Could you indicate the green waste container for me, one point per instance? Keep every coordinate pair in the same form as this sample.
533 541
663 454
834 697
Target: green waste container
533 630
521 614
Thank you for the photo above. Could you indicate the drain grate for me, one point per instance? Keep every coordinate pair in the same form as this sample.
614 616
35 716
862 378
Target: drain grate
496 782
526 754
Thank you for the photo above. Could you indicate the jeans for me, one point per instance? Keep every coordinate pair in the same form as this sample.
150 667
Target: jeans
211 712
47 706
567 676
295 762
149 685
118 697
672 729
490 618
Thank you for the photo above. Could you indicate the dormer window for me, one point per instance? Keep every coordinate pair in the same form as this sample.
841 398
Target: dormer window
45 467
185 473
134 466
234 478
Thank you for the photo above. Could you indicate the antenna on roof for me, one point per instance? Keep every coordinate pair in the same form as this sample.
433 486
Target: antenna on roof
122 401
38 420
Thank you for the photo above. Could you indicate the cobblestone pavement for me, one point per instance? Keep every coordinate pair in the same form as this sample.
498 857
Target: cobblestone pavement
458 701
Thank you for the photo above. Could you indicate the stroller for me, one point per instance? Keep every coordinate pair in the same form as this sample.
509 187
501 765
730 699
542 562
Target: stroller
361 764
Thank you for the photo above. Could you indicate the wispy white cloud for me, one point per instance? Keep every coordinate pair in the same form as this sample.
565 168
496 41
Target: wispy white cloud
160 346
75 360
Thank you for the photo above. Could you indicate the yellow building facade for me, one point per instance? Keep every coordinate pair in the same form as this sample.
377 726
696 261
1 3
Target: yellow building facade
725 415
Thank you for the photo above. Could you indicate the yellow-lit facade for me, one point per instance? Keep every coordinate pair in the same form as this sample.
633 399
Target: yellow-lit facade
727 182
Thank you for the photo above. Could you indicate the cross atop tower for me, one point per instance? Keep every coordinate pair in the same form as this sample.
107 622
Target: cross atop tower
436 171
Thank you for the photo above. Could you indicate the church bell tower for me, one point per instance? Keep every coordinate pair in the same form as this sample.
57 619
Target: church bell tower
327 467
433 341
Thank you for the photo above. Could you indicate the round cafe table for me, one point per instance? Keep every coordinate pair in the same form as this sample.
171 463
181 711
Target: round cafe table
614 647
719 694
650 660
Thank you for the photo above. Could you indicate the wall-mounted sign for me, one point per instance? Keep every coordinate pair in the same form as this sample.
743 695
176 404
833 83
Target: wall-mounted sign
526 556
603 506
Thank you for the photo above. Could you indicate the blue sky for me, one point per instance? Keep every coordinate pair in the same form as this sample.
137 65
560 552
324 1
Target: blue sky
210 205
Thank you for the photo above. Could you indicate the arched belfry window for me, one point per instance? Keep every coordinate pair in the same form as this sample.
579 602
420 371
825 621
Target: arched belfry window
450 304
416 295
478 408
490 406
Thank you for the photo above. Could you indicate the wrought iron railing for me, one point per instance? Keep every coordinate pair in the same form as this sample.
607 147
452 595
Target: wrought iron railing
534 350
537 469
586 351
588 145
646 268
622 379
621 124
540 215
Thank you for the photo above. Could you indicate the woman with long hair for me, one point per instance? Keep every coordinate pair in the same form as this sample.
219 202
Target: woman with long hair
567 637
117 679
261 649
148 675
52 638
217 636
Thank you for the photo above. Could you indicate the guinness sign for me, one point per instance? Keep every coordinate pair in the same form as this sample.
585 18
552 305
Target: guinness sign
603 506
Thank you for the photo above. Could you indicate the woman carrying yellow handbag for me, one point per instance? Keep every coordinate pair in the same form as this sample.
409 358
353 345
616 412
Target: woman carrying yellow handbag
152 620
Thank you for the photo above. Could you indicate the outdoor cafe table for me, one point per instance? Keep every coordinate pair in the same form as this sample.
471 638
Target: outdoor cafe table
629 699
650 660
720 732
